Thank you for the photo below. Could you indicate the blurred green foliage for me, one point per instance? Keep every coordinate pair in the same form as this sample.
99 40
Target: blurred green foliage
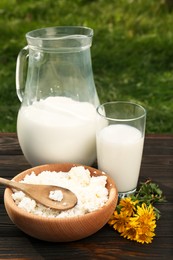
132 52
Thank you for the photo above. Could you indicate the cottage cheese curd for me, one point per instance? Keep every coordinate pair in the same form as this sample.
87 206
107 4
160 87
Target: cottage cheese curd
56 195
91 192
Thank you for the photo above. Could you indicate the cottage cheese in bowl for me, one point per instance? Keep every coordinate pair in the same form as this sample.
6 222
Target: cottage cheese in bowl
97 198
91 192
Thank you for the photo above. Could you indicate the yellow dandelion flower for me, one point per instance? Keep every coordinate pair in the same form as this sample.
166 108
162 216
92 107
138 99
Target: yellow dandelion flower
130 232
128 206
144 238
147 230
145 216
145 221
118 221
146 211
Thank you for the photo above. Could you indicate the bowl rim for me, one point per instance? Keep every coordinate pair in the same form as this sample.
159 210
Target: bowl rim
113 195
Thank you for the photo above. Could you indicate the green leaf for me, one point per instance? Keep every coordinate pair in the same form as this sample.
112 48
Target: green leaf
149 193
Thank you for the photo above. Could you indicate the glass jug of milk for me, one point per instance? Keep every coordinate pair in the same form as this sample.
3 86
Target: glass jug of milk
57 119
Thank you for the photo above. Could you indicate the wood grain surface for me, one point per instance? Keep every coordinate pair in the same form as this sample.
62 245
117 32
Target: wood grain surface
157 164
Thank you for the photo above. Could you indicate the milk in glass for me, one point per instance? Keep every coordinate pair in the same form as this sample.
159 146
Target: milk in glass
119 153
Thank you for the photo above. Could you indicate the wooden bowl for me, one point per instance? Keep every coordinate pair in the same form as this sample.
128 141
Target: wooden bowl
61 229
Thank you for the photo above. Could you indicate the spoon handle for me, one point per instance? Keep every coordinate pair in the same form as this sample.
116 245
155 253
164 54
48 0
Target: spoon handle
12 184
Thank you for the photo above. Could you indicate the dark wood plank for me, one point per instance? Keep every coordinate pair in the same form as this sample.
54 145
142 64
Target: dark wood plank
9 144
157 164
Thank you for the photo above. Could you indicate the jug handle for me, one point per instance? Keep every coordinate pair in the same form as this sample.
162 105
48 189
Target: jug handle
20 69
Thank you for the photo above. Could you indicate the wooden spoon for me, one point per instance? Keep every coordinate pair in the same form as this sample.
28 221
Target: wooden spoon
40 193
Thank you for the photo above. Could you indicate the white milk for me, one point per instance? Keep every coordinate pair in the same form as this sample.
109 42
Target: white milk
119 153
57 129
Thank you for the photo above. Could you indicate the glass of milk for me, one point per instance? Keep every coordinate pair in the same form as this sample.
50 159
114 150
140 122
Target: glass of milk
120 137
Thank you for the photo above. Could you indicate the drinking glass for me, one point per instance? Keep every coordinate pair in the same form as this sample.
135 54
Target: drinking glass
120 137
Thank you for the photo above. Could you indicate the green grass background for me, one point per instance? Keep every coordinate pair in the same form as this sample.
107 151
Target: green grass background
132 51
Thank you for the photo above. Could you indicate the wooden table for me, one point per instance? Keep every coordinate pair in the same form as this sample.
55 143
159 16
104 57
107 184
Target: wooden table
157 164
